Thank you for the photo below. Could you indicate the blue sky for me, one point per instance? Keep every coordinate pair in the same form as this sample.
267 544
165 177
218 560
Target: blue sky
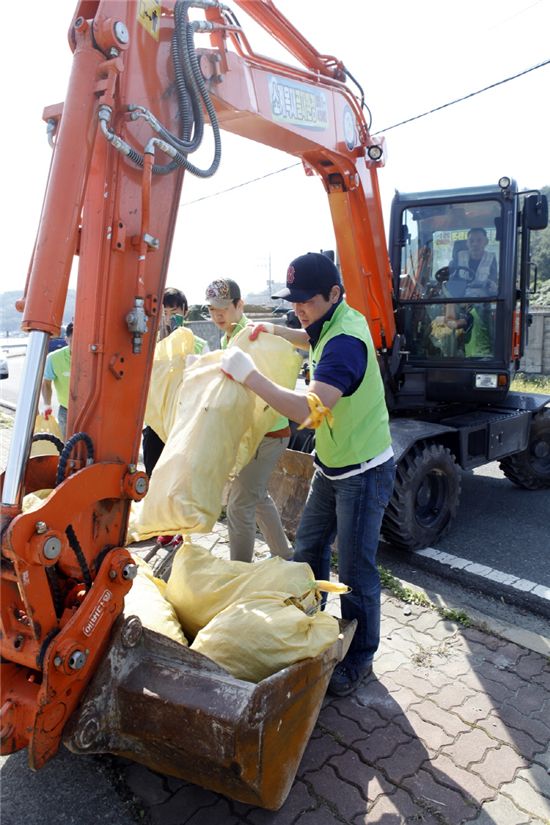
409 58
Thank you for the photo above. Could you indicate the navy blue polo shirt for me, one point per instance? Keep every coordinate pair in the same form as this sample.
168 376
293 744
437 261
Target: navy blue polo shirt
343 361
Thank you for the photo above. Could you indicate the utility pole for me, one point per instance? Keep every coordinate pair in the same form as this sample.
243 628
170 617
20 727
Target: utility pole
269 280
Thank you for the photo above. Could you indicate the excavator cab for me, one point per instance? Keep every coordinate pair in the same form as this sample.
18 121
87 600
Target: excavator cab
461 281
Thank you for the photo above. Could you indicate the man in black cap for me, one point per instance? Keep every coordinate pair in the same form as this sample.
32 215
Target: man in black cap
354 466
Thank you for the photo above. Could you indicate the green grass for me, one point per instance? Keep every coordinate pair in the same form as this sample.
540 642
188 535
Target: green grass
6 420
410 596
531 383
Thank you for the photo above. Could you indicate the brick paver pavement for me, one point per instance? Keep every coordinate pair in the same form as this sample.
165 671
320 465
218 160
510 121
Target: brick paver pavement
453 726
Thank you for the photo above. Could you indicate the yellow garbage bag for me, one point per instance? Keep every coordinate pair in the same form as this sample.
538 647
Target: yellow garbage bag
34 500
166 378
201 585
146 600
185 490
255 637
279 361
47 426
218 426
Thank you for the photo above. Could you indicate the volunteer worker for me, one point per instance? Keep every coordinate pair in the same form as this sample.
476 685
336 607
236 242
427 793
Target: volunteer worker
249 502
354 466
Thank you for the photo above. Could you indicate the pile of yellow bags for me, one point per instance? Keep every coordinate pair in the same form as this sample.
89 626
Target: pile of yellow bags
202 585
255 637
146 599
252 619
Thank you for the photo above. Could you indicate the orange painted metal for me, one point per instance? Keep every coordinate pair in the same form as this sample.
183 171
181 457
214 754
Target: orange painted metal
61 595
94 202
334 147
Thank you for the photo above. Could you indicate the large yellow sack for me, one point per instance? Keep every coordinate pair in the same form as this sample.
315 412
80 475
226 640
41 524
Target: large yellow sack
279 361
146 600
256 637
166 378
31 501
185 490
217 429
43 425
202 585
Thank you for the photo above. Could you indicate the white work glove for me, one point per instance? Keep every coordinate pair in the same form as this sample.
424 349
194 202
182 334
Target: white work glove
237 364
45 410
255 329
190 359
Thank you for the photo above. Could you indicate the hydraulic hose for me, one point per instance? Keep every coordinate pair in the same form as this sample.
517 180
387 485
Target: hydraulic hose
67 450
58 444
190 88
80 557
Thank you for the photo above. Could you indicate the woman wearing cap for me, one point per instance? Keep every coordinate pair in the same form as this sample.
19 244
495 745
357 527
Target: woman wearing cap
354 466
249 502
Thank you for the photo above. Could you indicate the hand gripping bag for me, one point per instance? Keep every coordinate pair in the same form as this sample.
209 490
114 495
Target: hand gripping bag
45 426
186 486
279 361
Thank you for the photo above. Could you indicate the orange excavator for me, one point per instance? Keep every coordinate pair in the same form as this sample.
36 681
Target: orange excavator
140 93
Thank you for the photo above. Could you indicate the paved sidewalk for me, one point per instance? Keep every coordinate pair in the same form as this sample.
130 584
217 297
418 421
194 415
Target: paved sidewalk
453 726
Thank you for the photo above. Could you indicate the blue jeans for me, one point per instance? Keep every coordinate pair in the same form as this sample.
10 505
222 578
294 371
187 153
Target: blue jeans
353 507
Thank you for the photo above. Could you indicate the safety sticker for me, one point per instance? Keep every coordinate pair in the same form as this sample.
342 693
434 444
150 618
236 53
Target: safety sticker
148 14
297 104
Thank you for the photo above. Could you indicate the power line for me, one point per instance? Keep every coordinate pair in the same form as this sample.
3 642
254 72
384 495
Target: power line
387 129
465 97
244 183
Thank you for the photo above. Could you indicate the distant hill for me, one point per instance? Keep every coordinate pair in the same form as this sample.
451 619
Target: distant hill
10 319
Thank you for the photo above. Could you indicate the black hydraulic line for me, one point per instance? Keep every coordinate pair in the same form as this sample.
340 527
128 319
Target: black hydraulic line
67 450
45 644
190 84
80 557
52 438
53 580
98 561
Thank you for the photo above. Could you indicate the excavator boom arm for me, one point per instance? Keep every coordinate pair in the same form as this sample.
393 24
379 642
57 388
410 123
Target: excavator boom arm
139 95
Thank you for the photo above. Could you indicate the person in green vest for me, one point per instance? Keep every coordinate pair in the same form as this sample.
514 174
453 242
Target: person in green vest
58 373
354 465
249 502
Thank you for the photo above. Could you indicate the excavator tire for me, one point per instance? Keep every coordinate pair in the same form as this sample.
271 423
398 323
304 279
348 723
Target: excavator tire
530 469
425 497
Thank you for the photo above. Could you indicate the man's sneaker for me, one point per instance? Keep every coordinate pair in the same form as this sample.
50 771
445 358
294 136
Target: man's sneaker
347 676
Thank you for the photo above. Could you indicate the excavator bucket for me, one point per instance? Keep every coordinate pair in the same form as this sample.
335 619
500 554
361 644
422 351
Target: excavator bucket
174 710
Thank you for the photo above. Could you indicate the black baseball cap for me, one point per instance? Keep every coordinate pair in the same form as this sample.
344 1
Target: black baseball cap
308 275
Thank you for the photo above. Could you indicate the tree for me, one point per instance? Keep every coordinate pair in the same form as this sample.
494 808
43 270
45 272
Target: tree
11 318
540 247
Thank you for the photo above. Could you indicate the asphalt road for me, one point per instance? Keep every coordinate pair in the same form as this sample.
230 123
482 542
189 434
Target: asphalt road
502 525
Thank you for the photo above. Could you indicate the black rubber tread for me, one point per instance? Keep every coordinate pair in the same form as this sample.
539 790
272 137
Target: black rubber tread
405 525
524 469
